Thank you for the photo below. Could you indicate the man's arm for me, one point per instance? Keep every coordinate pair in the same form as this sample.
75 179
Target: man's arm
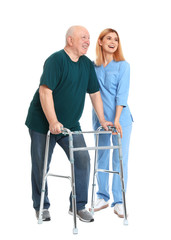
98 107
47 104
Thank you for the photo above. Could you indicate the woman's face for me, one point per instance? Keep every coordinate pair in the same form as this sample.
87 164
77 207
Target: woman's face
109 43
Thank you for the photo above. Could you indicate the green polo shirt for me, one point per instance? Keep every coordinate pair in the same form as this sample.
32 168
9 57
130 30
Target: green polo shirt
69 82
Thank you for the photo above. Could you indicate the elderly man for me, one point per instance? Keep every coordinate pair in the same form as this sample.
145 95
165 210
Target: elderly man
67 76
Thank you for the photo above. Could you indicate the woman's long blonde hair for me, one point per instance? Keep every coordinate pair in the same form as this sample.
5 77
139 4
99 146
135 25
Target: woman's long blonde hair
117 55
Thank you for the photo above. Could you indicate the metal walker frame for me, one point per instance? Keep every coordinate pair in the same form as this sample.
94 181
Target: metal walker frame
66 131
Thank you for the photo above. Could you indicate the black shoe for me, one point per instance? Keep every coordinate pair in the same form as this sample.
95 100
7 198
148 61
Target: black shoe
45 215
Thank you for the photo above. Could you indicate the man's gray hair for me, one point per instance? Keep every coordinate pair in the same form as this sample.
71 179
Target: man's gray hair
69 33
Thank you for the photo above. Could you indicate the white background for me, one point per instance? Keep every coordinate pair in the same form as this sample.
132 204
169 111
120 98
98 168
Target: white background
30 32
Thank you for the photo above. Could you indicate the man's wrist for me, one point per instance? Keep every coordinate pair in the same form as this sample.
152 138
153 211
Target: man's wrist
53 122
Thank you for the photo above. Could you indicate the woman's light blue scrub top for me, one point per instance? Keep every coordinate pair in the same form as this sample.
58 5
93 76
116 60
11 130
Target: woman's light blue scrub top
114 82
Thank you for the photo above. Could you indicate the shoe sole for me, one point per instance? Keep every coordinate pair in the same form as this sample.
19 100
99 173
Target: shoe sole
119 215
81 219
98 209
46 219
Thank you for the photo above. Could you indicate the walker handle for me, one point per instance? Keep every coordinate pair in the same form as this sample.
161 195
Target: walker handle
65 131
113 129
110 128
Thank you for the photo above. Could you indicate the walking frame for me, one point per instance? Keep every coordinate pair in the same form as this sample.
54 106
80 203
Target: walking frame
66 131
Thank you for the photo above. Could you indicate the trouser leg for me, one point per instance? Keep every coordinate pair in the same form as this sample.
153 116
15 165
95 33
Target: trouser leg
116 185
38 142
82 169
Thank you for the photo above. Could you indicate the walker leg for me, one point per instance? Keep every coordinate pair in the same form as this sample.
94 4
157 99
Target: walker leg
40 221
94 174
122 180
74 206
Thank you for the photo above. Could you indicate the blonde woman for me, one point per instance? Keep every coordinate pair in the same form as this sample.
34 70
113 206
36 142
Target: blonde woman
113 74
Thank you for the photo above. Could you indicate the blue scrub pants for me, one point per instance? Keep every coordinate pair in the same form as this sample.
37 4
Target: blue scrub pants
103 163
81 164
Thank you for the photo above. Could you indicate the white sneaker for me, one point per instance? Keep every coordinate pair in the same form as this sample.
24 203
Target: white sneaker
100 204
119 210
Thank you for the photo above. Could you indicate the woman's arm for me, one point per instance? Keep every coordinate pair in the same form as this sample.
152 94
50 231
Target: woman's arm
116 120
122 93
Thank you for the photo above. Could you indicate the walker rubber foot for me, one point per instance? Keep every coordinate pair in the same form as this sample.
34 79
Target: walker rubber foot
92 211
125 222
40 221
75 230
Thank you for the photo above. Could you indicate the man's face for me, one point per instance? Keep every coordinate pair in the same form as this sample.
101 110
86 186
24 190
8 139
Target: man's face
81 41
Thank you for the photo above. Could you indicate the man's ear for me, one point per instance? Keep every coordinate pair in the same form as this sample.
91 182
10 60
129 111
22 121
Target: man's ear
70 41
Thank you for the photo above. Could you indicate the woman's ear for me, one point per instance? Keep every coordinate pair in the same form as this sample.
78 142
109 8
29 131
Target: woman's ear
100 42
